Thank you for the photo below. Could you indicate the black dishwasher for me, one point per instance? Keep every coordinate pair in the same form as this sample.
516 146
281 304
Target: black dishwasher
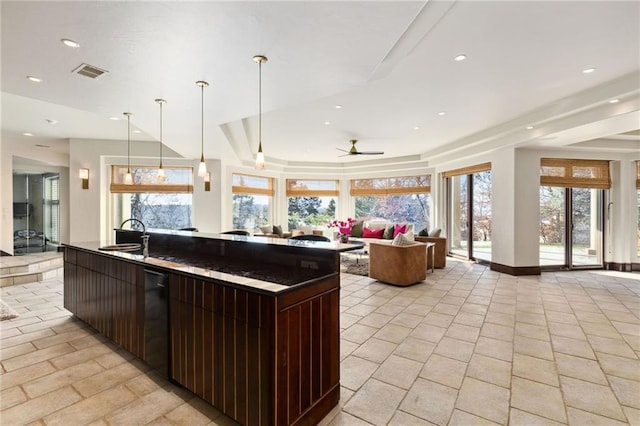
156 321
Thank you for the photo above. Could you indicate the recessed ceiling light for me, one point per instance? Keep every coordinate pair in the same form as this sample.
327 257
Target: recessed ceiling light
588 70
460 57
34 79
614 101
338 106
416 128
441 113
51 121
326 123
114 118
529 127
27 134
70 43
136 131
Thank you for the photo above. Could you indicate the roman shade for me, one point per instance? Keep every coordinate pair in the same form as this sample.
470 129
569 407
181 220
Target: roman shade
312 188
575 173
178 180
251 184
484 167
403 185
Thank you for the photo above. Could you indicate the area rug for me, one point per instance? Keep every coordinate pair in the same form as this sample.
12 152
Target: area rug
352 265
6 312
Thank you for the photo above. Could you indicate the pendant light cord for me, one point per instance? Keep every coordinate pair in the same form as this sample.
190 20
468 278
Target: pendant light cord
128 143
260 104
161 102
202 122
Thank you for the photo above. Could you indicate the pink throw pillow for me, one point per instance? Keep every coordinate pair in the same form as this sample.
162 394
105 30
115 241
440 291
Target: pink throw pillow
399 229
372 233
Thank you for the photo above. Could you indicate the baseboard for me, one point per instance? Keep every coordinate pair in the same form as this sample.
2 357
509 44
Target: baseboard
4 253
515 270
622 267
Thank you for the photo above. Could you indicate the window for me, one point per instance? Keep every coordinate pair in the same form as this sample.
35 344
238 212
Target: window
52 207
396 199
252 200
311 202
159 205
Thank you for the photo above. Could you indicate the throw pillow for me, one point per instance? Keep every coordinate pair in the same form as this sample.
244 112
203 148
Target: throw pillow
388 232
277 229
399 229
424 232
372 233
403 239
356 229
266 229
435 233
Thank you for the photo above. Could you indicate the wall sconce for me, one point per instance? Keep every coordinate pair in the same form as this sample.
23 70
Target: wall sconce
207 181
83 174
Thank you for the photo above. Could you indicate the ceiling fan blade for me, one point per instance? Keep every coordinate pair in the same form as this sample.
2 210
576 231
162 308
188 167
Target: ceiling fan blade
343 150
371 152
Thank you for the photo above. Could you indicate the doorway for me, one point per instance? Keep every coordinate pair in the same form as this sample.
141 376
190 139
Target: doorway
571 227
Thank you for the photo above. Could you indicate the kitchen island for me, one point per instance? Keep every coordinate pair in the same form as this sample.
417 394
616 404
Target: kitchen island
252 324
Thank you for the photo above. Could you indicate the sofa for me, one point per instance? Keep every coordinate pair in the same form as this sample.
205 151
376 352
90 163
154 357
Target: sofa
400 265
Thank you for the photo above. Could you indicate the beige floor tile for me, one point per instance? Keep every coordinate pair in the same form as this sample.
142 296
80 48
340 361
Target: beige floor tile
522 418
401 418
561 317
106 379
536 369
633 415
445 308
375 320
36 408
10 397
470 319
508 320
79 356
355 371
537 398
36 357
61 378
454 348
490 370
145 383
476 304
496 331
438 319
591 397
358 333
17 350
580 348
145 409
531 318
461 418
499 349
559 307
188 414
619 366
346 348
580 368
398 371
415 349
428 332
430 401
346 419
463 332
484 400
375 350
627 391
579 417
347 319
633 341
611 346
376 300
443 370
566 330
532 331
406 319
375 402
600 329
533 347
393 333
416 309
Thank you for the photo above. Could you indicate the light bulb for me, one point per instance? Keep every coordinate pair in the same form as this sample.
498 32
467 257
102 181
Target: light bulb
161 175
260 161
128 180
202 168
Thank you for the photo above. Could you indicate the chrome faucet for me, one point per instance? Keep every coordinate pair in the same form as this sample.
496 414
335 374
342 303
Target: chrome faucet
145 237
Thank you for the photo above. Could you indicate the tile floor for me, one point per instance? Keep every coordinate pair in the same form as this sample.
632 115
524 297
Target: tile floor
468 347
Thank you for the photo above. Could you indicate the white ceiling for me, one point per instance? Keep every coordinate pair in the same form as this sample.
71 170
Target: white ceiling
388 64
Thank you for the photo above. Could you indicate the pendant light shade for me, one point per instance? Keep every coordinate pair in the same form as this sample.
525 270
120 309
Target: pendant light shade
202 167
128 179
260 165
161 175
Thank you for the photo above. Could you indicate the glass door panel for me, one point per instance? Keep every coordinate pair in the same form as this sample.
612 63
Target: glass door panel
586 235
458 216
552 226
481 233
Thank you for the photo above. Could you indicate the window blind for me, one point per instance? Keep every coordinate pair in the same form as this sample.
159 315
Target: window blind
575 173
250 184
312 188
404 185
145 180
638 174
484 167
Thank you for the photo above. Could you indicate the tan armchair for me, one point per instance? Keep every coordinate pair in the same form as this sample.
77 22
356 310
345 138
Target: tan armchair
440 256
398 265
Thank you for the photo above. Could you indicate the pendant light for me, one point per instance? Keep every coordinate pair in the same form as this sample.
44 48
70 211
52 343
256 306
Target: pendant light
260 156
202 167
161 176
128 180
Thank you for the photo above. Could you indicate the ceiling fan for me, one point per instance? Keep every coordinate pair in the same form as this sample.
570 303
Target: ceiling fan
354 150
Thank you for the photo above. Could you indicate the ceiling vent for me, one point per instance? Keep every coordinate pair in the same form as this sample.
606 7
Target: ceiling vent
89 71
